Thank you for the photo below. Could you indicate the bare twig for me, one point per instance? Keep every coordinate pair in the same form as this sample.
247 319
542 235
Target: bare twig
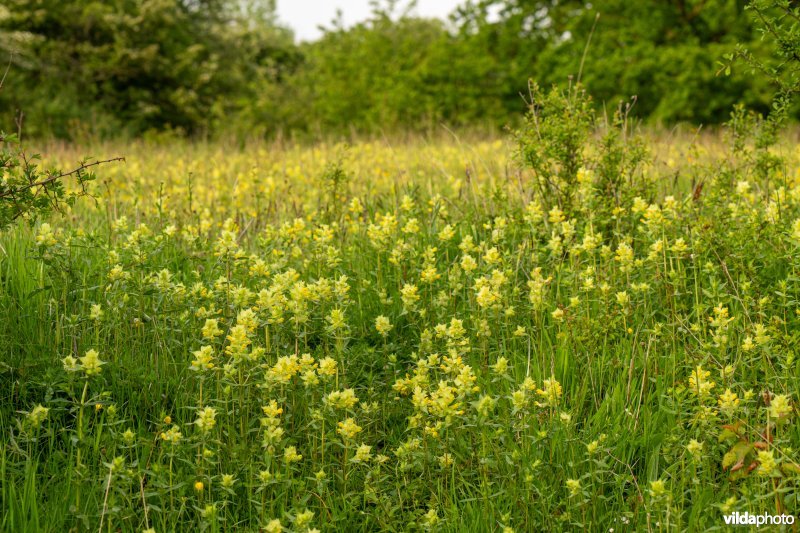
586 48
105 498
8 67
144 501
19 119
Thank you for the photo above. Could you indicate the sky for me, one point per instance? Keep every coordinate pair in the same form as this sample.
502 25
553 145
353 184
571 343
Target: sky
303 16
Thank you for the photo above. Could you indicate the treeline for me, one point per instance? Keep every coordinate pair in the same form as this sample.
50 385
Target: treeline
209 67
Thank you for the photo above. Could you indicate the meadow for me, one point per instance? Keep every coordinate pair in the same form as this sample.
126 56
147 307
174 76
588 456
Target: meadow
442 335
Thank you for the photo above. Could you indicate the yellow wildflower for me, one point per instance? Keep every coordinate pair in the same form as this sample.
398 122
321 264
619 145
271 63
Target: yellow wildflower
348 428
91 363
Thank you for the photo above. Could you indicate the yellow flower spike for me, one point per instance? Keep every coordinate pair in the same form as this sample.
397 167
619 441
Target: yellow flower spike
658 488
290 455
363 454
206 419
348 428
345 399
768 464
90 363
38 415
273 526
500 366
383 326
728 401
779 407
574 487
698 382
303 519
695 448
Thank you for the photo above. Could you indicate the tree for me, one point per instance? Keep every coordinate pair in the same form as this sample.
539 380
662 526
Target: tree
662 51
130 66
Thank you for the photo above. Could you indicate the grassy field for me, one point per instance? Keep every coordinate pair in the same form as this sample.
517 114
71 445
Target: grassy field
403 337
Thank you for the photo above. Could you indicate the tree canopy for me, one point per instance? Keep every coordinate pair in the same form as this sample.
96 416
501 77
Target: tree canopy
204 67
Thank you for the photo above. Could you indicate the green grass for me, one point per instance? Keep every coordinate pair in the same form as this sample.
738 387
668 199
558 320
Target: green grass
620 425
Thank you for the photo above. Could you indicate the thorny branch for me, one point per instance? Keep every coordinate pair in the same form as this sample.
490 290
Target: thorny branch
55 177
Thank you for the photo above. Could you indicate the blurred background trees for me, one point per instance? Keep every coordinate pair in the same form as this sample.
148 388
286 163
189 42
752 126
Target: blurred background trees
213 67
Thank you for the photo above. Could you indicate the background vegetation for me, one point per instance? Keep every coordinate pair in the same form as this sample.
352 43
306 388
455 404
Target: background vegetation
208 67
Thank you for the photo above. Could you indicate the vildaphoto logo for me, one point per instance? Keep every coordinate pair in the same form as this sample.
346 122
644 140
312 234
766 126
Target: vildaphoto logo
758 520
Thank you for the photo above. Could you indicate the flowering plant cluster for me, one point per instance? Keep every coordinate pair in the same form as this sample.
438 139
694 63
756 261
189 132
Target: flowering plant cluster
227 349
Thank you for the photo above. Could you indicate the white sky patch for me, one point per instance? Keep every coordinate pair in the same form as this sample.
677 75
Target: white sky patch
304 16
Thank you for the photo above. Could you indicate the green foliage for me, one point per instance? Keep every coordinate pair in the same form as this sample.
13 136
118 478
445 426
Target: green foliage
778 22
551 143
126 67
28 191
334 183
751 137
563 143
113 68
621 154
662 52
392 72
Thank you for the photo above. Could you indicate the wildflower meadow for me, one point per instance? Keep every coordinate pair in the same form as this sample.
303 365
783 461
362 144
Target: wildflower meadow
420 336
367 284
